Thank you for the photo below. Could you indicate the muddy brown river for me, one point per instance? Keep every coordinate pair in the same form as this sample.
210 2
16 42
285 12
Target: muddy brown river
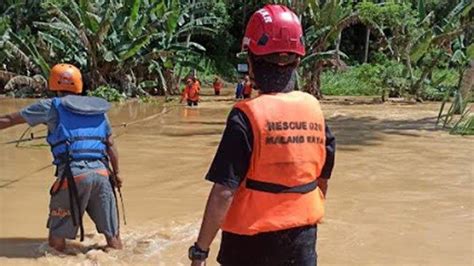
402 192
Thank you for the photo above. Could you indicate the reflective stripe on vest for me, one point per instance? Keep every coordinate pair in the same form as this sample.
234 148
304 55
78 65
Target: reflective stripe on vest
78 178
280 189
77 136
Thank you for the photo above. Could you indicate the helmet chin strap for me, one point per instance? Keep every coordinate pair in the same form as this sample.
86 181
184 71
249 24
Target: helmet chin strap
252 75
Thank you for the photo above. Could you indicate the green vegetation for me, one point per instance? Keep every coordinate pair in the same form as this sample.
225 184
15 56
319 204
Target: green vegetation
419 49
416 49
458 117
120 43
355 81
387 79
109 93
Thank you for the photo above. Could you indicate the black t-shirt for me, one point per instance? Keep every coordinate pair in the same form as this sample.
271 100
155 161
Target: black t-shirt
232 159
229 168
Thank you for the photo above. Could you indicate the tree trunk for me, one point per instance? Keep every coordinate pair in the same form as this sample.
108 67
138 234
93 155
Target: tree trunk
464 89
93 79
416 88
171 84
188 40
408 65
467 82
338 46
317 80
313 80
366 48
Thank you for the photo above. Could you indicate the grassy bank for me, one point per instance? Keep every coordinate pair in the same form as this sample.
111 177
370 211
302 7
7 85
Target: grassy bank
391 78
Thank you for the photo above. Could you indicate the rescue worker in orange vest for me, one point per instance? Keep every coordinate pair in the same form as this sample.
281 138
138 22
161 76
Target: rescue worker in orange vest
217 85
248 87
274 160
191 92
81 142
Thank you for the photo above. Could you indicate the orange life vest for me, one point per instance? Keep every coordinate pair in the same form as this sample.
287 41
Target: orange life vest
248 88
280 188
191 92
217 86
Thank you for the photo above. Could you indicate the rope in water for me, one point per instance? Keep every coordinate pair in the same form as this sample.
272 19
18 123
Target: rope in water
32 137
25 176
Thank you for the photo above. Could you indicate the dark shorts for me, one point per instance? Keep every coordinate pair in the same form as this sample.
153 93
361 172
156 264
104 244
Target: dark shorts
217 93
192 103
96 198
247 96
296 246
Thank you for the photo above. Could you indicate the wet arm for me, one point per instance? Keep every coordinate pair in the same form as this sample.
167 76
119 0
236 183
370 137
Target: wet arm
184 95
10 120
329 163
114 158
226 171
217 205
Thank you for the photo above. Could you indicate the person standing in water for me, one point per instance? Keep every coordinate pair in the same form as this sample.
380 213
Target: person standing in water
273 163
239 89
217 85
191 92
82 144
248 87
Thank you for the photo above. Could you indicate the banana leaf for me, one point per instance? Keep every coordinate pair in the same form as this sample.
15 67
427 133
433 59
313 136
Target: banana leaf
321 56
52 40
135 47
134 6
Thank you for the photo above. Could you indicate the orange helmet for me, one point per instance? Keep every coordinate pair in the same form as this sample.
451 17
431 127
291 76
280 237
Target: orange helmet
65 77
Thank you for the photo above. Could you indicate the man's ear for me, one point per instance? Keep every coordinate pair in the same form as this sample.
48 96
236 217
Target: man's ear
249 62
297 62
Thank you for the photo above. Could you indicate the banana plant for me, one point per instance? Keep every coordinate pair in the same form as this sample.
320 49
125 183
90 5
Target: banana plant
323 23
114 40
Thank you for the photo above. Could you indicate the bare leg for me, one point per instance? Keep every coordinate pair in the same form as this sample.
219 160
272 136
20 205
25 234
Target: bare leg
114 242
57 243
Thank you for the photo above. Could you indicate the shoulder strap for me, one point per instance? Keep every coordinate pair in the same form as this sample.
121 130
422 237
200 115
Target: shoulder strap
85 105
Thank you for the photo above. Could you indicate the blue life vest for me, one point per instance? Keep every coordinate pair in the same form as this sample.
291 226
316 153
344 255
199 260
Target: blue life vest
239 90
81 131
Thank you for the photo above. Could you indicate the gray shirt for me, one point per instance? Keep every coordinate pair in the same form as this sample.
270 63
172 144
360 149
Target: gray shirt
43 112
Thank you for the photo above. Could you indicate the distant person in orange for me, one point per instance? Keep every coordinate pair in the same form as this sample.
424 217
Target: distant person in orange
248 87
191 92
217 85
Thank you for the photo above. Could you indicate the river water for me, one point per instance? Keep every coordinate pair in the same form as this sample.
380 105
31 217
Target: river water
402 192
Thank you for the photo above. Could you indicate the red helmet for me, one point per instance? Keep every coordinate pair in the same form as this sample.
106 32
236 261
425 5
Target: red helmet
274 29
